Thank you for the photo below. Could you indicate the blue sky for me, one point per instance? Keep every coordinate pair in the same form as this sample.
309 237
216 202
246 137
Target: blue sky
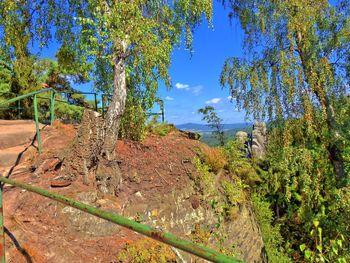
196 79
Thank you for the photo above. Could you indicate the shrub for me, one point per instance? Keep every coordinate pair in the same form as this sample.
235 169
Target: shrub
271 233
146 250
160 129
205 181
214 157
133 122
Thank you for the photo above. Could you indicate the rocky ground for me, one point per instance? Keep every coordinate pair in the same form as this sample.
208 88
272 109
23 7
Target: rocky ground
157 189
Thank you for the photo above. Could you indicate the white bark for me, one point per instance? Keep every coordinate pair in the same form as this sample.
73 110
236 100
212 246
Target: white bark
116 107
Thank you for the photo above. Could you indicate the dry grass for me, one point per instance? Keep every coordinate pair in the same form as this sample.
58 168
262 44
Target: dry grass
214 157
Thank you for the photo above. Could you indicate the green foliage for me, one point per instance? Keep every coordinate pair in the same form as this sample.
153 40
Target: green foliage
68 112
5 78
234 193
205 181
133 122
332 252
143 32
210 116
133 125
271 232
160 129
296 59
235 155
298 179
238 164
295 74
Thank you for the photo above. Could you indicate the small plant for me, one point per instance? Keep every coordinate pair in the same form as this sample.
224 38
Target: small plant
201 234
234 196
213 120
234 191
146 250
205 181
325 251
133 122
161 129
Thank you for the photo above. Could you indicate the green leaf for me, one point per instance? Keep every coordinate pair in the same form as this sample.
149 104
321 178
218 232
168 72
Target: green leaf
340 243
308 254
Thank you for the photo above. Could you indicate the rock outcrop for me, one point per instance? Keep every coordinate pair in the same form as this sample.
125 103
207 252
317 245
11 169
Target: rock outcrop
242 136
259 140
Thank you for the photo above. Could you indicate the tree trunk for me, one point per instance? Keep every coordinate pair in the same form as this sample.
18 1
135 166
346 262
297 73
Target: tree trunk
92 155
108 175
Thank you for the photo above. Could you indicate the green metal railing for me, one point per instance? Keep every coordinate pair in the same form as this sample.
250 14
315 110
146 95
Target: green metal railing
167 238
52 99
36 115
106 98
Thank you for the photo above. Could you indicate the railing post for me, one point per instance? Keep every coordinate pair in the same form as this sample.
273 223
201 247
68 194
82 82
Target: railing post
2 232
103 105
52 106
95 95
162 109
37 123
19 109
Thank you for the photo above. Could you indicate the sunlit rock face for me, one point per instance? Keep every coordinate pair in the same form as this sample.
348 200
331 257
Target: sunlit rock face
188 214
259 140
241 136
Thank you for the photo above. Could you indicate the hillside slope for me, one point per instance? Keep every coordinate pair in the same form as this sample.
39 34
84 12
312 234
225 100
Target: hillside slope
158 189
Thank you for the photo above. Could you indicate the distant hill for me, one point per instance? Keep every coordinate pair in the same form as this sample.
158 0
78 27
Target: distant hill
206 132
205 128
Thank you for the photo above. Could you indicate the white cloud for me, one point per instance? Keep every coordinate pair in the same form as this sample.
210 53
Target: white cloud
169 98
197 90
213 101
230 98
220 111
182 86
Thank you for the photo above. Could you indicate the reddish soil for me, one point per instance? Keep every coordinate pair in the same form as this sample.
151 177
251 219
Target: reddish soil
158 164
42 233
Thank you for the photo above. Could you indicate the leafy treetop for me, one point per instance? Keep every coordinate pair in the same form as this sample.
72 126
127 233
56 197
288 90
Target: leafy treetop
93 34
297 57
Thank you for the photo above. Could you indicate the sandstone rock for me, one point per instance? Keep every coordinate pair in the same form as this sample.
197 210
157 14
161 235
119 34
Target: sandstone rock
181 210
259 140
242 136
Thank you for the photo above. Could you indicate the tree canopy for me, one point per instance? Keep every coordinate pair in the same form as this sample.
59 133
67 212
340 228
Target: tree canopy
92 34
297 57
296 65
